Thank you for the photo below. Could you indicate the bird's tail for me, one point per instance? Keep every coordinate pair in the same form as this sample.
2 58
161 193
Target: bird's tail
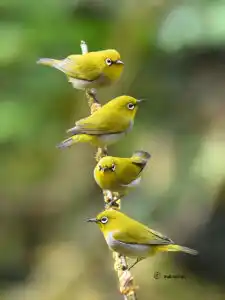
140 157
48 62
79 138
171 247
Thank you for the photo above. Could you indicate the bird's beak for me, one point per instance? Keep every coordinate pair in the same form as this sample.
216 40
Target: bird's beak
119 62
92 220
140 100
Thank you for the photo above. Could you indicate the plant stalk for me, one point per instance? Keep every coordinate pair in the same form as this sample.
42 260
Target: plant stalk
126 280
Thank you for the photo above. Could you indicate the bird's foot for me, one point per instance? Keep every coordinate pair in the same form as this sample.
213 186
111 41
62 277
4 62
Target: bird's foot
94 107
93 102
111 200
98 154
101 152
93 94
136 261
114 201
108 197
114 204
118 266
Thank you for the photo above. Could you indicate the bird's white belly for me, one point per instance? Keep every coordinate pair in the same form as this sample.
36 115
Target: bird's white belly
129 250
84 84
80 84
133 183
107 139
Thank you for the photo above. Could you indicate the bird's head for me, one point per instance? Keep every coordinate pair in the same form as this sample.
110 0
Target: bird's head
112 64
105 172
108 220
106 165
126 105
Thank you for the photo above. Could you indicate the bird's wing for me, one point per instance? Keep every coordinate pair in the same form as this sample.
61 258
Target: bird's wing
128 173
132 183
140 234
68 65
131 171
80 67
103 122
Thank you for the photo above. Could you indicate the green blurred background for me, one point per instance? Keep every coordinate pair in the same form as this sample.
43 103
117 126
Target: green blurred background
174 54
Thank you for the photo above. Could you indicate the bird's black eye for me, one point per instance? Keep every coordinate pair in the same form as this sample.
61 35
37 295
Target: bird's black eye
130 106
104 220
108 61
100 168
113 168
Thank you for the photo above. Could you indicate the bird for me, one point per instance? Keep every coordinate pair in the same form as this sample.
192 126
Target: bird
118 174
91 70
105 126
133 239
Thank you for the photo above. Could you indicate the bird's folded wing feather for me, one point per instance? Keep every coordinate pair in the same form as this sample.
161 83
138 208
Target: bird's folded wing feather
131 170
80 67
103 123
141 235
139 162
140 159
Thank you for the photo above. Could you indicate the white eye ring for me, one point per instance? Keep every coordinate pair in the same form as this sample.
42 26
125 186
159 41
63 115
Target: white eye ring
108 61
130 106
104 220
113 167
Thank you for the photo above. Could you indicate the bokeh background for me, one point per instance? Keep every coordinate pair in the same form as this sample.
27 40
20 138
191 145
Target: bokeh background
174 54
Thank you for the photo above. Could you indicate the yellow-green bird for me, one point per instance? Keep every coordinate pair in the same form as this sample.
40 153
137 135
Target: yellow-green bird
118 174
106 125
132 238
90 70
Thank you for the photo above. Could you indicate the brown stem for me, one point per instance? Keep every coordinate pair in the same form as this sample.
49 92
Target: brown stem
126 280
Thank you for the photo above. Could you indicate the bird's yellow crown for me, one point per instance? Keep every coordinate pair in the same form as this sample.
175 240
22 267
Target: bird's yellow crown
110 53
107 163
108 220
